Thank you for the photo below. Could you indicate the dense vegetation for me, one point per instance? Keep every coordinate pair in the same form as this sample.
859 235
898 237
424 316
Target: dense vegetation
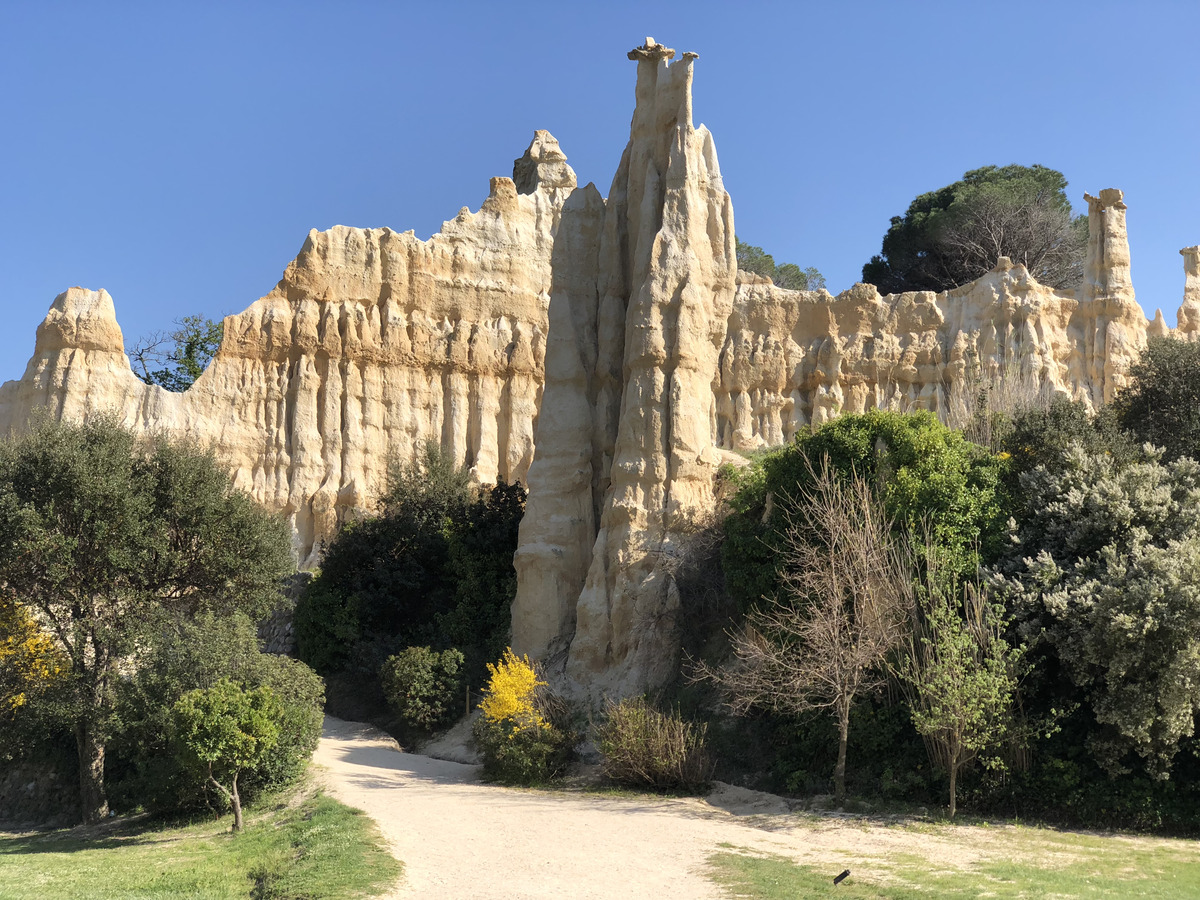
433 570
131 575
785 275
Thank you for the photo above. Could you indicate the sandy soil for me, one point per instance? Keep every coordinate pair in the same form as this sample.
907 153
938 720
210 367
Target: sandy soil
459 838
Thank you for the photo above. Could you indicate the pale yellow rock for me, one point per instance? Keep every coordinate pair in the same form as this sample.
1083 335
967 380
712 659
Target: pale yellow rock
373 344
1188 326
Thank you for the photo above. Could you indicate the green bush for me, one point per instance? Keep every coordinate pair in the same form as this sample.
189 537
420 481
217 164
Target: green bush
423 687
187 656
643 747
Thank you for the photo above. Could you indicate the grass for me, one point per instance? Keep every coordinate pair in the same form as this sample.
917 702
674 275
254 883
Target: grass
314 848
1038 864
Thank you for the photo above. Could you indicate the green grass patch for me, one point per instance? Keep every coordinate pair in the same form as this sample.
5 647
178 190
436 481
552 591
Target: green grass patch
1041 865
318 848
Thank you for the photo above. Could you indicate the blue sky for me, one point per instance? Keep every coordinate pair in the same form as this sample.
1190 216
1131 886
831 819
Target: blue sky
177 154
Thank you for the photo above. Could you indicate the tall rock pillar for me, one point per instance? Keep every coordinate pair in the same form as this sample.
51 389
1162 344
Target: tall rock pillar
1189 313
642 289
1113 325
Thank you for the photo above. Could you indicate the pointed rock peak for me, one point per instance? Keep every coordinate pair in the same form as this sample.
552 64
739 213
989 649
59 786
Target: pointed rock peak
651 51
543 165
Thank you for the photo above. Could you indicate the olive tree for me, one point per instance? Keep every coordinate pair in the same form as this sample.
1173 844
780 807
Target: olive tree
1105 576
105 535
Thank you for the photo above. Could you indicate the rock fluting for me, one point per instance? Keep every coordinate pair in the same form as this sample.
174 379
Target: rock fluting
602 350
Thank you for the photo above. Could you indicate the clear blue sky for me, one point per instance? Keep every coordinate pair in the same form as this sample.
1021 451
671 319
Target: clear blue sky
177 154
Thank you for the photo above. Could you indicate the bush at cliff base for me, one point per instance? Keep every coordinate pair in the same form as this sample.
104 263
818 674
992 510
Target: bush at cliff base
645 748
524 731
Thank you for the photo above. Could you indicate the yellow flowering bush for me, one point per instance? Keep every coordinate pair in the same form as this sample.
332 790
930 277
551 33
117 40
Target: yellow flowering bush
29 659
511 692
524 730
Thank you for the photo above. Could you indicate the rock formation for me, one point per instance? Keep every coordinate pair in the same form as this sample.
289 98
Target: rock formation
614 331
371 345
643 286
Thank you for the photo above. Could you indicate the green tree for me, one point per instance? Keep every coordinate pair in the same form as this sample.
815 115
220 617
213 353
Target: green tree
435 568
106 534
785 275
185 655
176 359
959 675
954 235
224 730
424 687
1104 582
926 473
1162 402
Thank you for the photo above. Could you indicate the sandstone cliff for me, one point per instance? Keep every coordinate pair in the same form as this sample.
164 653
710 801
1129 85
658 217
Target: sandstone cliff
371 345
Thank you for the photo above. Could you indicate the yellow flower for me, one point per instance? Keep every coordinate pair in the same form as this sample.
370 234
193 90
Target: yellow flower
511 691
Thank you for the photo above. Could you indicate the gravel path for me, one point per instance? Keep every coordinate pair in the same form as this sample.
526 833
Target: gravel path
459 838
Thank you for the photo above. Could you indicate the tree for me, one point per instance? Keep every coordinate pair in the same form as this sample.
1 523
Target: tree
105 536
224 730
785 275
1161 405
181 356
846 594
954 235
959 674
1104 582
927 475
186 655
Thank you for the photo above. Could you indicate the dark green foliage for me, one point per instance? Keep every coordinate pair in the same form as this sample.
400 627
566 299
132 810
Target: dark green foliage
1161 405
434 569
645 748
424 687
785 275
191 655
105 535
927 473
953 235
1041 435
179 357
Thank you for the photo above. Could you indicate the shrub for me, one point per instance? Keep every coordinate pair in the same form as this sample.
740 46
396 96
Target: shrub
422 685
524 732
187 656
644 747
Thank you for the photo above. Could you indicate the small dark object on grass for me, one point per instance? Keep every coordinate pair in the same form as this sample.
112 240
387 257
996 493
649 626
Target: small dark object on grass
842 877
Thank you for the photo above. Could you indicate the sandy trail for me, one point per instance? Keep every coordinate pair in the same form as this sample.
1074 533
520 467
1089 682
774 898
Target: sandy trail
459 838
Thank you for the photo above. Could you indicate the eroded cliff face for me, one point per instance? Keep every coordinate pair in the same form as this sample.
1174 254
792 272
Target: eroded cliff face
613 331
371 345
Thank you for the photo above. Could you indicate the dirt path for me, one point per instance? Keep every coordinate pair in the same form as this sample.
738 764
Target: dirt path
462 839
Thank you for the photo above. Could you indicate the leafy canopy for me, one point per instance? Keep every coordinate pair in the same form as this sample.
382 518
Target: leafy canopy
954 235
1161 405
1105 578
107 535
926 472
176 359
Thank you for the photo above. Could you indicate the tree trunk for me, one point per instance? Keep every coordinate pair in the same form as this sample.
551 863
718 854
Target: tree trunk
839 771
93 804
236 802
953 786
